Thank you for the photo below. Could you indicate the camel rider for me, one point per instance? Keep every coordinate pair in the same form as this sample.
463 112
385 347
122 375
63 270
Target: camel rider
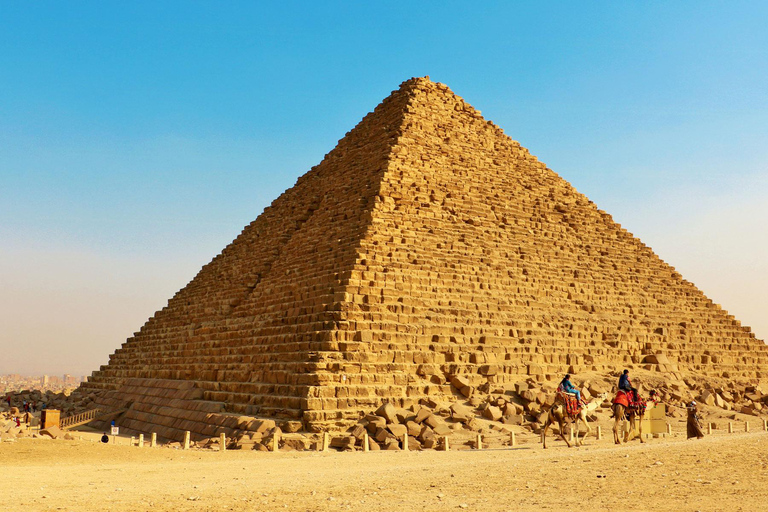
566 386
626 385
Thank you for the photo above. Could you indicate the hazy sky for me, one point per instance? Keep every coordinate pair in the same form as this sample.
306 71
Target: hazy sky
138 138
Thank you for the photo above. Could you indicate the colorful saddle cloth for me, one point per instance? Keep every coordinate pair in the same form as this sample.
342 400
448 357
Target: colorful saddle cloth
572 406
625 398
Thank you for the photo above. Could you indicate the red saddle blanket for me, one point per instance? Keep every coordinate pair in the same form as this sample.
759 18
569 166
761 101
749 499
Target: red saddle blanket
625 398
572 406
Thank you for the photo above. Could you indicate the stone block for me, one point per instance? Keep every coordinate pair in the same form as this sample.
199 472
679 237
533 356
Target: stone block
388 412
492 413
707 397
398 430
52 432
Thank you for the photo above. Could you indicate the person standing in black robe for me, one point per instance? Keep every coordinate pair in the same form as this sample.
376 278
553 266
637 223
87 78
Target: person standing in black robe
694 427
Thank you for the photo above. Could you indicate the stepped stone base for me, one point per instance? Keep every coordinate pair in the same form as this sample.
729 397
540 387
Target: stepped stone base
172 407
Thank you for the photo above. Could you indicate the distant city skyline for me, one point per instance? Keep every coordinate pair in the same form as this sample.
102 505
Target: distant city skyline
137 140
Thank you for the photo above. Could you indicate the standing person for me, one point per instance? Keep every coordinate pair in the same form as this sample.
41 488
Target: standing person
626 385
694 427
8 399
34 406
26 406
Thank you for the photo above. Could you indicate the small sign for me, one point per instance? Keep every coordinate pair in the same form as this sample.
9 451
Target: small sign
115 431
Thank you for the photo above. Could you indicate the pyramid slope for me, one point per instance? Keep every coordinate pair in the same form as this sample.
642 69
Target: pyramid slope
426 244
482 262
245 327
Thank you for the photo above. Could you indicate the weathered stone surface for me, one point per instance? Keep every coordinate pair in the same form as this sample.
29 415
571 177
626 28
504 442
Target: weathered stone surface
707 397
52 432
388 412
425 214
398 430
492 413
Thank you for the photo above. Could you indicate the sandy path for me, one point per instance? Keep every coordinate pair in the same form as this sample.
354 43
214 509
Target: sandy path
720 472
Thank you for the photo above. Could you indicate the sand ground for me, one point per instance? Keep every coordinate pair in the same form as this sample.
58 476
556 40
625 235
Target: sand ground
720 472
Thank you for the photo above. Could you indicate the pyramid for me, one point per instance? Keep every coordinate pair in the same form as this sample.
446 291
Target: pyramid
426 245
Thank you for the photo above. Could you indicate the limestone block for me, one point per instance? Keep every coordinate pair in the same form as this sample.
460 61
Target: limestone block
461 412
413 428
492 413
397 430
388 412
707 397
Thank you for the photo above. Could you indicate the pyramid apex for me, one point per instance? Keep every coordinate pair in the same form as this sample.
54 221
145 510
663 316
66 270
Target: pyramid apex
422 81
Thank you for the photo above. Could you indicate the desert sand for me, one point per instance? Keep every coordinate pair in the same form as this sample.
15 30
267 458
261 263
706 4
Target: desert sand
720 472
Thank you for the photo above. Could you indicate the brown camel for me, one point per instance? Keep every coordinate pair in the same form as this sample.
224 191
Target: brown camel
557 414
635 418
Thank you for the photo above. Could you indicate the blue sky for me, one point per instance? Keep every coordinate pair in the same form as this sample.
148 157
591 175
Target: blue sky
137 139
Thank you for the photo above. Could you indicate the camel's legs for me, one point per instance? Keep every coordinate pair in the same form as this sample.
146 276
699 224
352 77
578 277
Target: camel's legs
544 431
562 432
589 429
630 428
640 420
618 417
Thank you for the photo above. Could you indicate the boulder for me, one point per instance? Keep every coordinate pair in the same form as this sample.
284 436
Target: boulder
461 412
414 429
391 444
707 397
432 421
343 442
261 425
358 431
382 435
422 414
375 423
298 443
492 413
459 381
52 432
388 412
398 430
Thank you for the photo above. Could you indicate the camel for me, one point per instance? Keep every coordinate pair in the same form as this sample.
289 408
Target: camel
557 414
619 412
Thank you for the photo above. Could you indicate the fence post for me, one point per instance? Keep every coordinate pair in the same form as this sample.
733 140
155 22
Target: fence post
512 440
445 443
153 442
186 440
479 441
326 442
709 428
222 442
730 427
599 433
366 446
141 440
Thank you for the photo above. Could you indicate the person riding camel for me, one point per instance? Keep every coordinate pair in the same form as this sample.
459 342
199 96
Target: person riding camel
626 385
567 387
